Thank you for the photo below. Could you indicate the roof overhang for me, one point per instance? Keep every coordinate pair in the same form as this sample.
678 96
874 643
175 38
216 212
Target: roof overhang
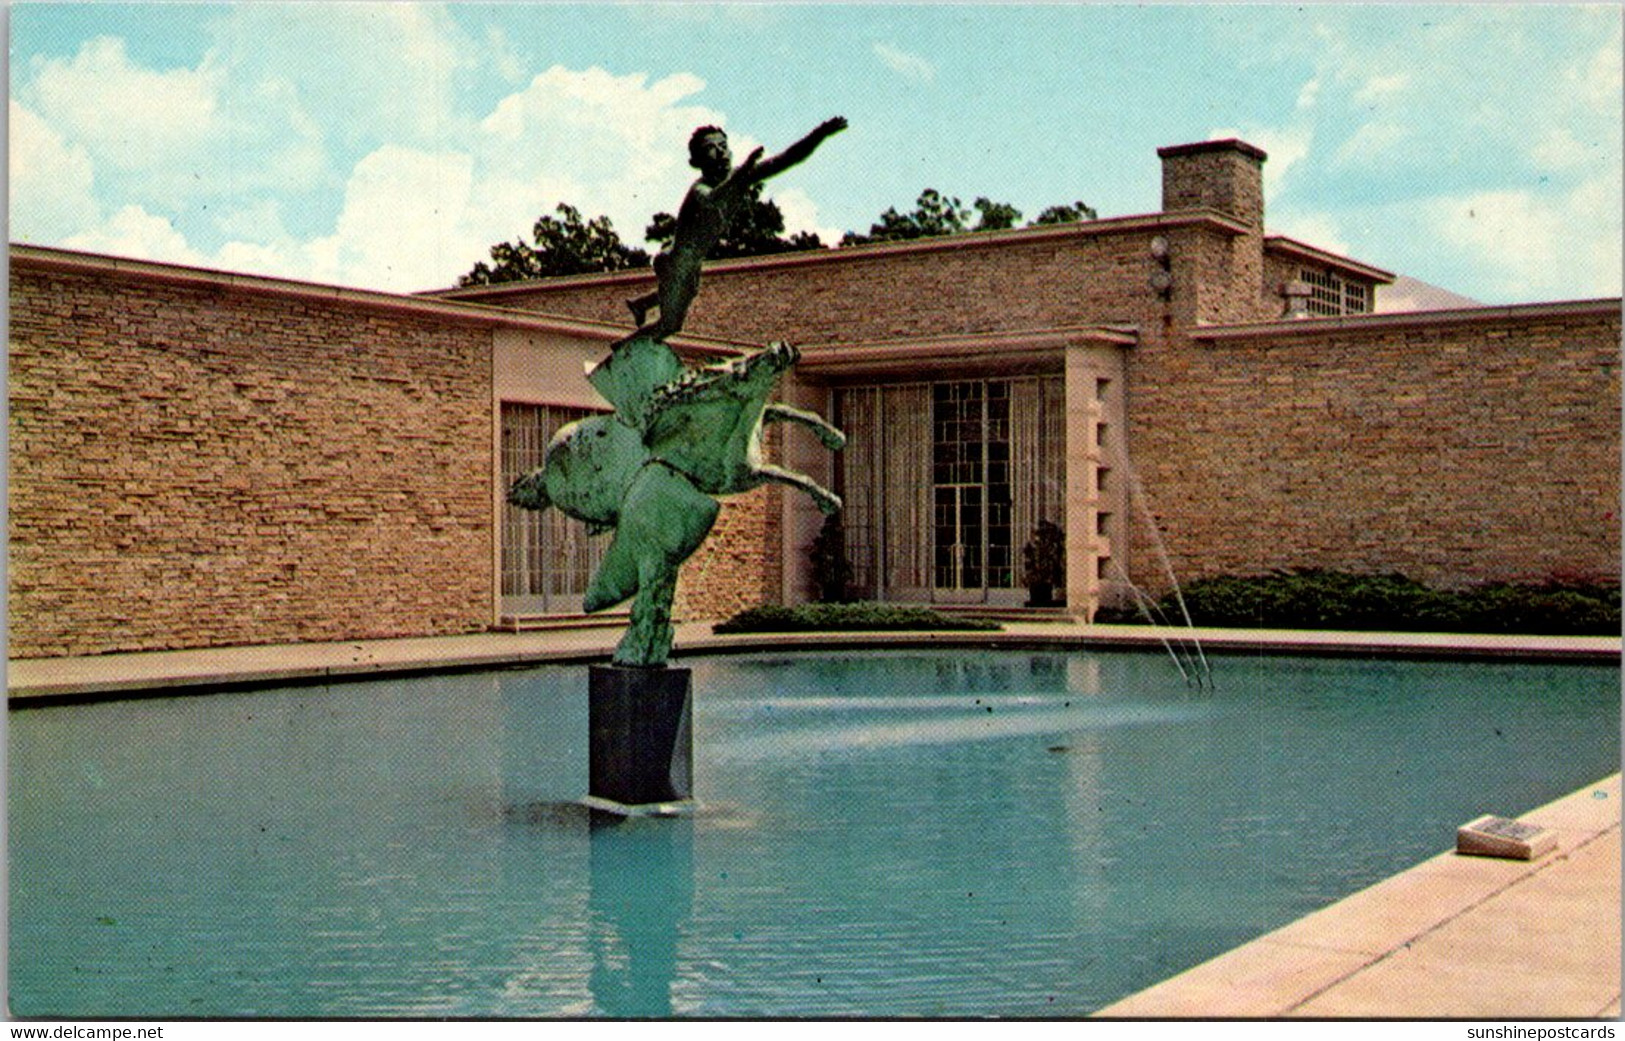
1290 247
999 353
1295 328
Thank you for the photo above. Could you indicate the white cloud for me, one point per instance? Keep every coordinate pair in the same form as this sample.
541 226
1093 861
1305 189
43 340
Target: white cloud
1373 143
401 226
133 232
207 164
1381 88
51 181
616 145
801 214
1599 82
367 68
1558 149
1309 94
1286 147
127 116
1532 246
1317 229
909 66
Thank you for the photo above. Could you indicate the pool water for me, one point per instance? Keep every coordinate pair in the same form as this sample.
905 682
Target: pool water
932 833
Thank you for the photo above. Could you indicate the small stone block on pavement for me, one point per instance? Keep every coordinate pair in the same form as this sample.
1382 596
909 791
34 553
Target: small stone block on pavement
1492 836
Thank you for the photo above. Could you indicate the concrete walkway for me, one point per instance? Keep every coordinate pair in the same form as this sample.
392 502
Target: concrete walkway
40 680
1453 938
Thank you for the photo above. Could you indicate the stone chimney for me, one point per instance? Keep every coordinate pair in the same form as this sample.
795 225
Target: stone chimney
1227 176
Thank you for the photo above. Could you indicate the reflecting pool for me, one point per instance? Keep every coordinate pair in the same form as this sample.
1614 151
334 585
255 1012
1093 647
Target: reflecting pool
892 833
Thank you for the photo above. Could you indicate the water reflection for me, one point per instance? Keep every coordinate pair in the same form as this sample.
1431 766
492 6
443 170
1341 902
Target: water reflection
641 897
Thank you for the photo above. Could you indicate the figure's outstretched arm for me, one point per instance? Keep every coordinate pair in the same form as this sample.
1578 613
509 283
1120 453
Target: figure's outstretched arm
766 168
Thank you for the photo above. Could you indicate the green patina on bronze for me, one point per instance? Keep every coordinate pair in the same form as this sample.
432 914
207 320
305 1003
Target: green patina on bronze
678 435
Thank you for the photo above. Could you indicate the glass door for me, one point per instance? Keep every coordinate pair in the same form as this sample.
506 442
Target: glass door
971 494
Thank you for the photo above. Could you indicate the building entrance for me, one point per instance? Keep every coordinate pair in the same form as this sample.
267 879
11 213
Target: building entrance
944 483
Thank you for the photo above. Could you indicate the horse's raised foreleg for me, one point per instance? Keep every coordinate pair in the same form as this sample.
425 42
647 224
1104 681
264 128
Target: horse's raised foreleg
832 438
827 501
663 520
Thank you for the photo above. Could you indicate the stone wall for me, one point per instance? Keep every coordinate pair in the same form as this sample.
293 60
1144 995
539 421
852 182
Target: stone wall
193 465
985 282
1453 447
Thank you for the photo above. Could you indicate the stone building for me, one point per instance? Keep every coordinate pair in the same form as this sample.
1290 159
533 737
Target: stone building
201 458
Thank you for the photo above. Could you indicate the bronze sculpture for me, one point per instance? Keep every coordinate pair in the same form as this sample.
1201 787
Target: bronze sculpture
678 436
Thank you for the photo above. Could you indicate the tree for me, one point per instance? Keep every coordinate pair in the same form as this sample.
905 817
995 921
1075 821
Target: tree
565 245
937 214
831 569
757 229
995 216
1065 214
934 214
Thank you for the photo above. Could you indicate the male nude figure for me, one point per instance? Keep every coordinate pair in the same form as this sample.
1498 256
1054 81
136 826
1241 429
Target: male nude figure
703 218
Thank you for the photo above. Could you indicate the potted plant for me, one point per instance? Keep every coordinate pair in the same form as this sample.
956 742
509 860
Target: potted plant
831 570
1043 568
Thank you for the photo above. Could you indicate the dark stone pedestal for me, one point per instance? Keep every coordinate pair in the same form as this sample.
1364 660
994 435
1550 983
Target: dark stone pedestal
640 755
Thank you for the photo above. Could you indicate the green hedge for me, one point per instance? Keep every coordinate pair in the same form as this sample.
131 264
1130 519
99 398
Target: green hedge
1313 599
770 618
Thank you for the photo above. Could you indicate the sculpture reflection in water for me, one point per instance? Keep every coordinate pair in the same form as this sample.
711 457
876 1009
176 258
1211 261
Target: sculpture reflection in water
639 903
678 436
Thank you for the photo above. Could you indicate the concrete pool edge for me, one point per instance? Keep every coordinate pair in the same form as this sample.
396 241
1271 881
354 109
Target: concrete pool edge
1452 938
39 681
42 681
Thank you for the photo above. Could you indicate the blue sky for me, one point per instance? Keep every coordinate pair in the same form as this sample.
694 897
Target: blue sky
388 145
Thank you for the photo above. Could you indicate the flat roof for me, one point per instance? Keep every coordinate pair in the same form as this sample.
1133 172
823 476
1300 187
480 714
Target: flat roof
1221 222
1286 328
47 258
1229 144
1304 251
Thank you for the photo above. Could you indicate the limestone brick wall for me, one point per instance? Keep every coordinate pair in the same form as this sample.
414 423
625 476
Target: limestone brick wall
1475 447
1452 449
1222 175
192 466
976 283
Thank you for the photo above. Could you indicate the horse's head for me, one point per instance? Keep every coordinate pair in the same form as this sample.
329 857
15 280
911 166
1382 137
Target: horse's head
755 374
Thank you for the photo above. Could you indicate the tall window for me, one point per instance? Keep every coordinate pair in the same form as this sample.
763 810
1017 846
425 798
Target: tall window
1331 294
944 483
971 477
547 558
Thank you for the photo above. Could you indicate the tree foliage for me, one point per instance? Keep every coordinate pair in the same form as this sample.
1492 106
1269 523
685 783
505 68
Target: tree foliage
1065 213
937 214
756 229
565 245
933 214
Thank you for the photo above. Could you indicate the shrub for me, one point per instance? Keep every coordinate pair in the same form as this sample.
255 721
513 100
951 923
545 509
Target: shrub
864 616
1315 599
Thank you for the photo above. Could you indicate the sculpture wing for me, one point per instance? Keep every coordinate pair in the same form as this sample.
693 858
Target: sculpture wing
634 370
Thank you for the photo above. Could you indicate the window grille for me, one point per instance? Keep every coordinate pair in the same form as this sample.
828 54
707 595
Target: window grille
1331 294
547 558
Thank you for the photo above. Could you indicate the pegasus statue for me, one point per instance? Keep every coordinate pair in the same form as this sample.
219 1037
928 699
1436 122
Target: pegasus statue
648 472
